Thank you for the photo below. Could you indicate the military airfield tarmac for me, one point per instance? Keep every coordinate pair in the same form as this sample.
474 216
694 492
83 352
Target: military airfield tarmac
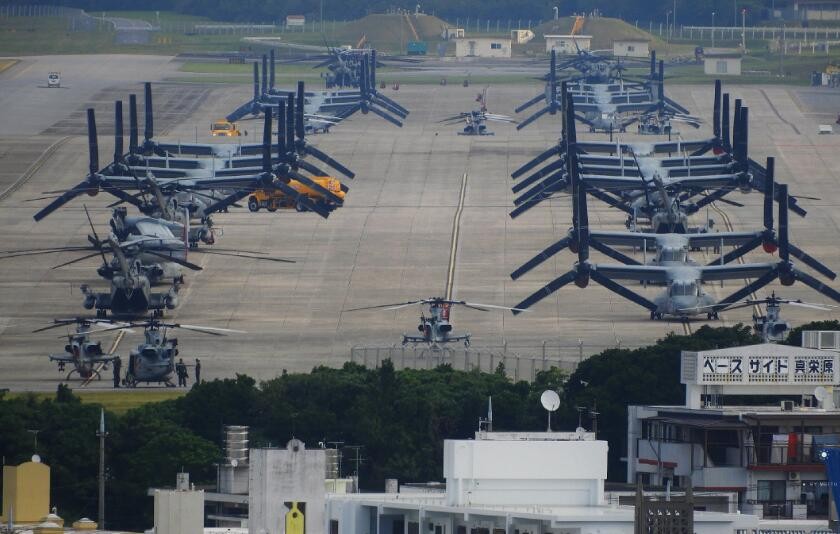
391 242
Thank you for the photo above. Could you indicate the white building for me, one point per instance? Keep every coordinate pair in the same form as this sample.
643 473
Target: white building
521 36
286 485
567 44
765 448
482 47
722 63
509 482
631 48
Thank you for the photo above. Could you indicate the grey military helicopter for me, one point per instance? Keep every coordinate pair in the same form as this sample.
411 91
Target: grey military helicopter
153 361
435 329
85 355
770 326
475 121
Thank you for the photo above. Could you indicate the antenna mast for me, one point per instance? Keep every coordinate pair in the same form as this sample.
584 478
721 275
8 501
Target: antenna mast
101 434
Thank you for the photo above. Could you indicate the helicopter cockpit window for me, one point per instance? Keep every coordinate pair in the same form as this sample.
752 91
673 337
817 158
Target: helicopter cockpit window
674 254
149 353
683 289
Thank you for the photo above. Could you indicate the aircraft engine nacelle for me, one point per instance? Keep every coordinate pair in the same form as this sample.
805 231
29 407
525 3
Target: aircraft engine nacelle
171 302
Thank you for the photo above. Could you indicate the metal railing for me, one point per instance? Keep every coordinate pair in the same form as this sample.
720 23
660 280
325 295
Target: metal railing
781 455
815 509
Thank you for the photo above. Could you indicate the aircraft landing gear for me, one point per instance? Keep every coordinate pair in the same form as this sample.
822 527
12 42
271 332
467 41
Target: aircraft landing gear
655 316
253 205
712 316
100 314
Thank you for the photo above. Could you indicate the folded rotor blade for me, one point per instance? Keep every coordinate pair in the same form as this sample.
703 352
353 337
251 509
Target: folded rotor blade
385 116
530 103
540 258
553 151
318 154
619 289
816 285
218 253
545 291
811 261
533 117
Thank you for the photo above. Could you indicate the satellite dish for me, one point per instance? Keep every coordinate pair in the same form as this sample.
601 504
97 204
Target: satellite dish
820 393
550 400
234 462
36 458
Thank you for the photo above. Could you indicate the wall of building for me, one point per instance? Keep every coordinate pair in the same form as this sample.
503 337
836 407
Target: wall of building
482 47
714 66
26 490
567 473
179 512
279 476
564 44
630 49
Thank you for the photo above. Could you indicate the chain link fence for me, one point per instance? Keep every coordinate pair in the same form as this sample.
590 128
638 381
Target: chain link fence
520 362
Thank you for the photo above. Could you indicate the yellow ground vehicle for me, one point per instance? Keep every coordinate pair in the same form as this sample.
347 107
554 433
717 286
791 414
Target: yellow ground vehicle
274 199
223 128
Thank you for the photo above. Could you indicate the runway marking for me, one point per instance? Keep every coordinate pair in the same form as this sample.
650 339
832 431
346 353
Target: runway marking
34 167
453 250
776 111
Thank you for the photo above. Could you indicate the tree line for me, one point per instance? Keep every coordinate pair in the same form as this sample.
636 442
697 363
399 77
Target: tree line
693 12
400 418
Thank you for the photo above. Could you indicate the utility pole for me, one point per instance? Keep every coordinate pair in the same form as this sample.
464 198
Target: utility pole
744 30
101 435
713 29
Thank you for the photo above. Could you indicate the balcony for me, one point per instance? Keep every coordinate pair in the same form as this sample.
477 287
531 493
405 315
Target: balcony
815 509
783 458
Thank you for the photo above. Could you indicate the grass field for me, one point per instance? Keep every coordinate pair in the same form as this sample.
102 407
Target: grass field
117 402
7 64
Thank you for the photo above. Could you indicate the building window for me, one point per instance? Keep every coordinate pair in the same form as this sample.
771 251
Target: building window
333 526
631 48
495 46
721 66
771 490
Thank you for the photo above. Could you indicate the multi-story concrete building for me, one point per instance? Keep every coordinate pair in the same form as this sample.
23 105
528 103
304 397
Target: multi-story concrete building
754 421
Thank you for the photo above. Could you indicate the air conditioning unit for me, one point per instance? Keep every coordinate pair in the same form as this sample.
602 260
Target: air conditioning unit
787 405
793 475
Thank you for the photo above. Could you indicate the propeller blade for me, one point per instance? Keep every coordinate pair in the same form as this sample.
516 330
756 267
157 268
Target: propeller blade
530 103
622 291
318 154
555 150
546 290
541 257
533 117
385 116
95 235
816 285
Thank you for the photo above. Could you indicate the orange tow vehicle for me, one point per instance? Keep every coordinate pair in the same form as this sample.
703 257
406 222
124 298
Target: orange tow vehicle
274 199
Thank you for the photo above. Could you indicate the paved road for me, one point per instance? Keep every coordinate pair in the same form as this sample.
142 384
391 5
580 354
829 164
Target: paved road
391 242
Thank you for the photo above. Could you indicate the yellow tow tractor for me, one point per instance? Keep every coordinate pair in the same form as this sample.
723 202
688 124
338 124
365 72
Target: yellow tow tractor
223 128
274 199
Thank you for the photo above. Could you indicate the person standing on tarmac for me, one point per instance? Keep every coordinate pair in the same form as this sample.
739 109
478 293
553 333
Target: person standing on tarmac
197 371
181 369
117 365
